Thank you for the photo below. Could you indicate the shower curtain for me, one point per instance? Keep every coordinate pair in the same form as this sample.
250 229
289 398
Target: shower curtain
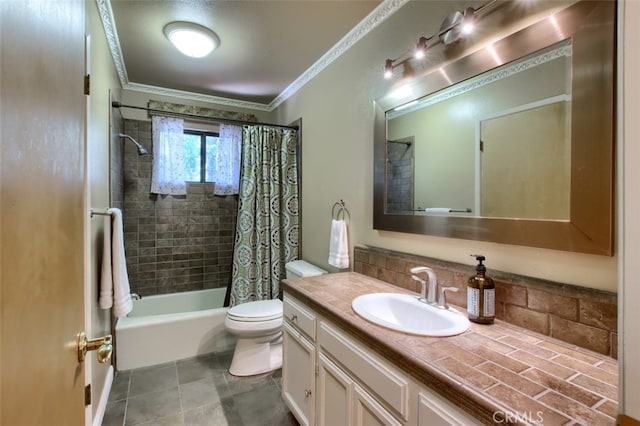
267 222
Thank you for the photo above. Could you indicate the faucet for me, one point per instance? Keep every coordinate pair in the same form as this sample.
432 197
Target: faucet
136 296
430 295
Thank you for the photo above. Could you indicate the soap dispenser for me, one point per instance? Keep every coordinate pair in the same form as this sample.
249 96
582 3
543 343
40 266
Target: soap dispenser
481 295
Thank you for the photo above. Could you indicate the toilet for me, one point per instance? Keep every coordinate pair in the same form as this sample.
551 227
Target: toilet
258 328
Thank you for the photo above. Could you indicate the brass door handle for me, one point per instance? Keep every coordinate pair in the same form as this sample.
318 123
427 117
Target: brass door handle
103 345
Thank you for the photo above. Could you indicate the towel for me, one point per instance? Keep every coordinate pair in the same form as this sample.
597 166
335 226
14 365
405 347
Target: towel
114 287
106 278
437 210
339 245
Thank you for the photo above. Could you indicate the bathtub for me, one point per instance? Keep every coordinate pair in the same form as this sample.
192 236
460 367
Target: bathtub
169 327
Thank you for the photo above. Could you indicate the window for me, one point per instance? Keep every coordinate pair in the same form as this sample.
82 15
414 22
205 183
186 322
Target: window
200 149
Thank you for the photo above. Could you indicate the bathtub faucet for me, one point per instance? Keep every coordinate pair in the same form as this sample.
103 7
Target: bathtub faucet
136 296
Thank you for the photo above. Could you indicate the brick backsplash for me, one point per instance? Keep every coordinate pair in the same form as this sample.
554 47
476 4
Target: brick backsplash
173 243
577 315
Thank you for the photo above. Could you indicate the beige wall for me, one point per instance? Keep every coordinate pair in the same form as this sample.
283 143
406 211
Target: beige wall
337 162
103 79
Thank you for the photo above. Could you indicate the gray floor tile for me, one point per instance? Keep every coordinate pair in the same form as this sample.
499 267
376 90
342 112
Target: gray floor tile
262 406
176 420
120 386
114 413
222 413
192 369
153 406
199 393
153 379
196 392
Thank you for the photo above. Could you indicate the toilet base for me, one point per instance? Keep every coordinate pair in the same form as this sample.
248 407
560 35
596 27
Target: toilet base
253 357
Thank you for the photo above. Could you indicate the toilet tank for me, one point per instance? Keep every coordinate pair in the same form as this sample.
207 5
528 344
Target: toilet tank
300 268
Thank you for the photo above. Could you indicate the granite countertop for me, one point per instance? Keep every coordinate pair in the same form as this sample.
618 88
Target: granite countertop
497 368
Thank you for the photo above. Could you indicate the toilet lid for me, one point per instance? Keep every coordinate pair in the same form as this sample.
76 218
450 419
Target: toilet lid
261 310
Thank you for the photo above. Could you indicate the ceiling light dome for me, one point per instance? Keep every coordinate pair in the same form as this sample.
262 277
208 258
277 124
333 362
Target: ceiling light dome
191 39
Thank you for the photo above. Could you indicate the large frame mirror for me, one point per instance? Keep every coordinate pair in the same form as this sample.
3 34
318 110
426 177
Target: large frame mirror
512 143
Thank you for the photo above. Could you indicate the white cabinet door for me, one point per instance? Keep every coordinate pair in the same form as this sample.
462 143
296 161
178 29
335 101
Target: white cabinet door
369 412
298 375
435 411
335 394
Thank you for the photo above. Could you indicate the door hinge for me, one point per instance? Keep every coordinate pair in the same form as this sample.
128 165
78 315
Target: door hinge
87 394
317 370
87 84
481 146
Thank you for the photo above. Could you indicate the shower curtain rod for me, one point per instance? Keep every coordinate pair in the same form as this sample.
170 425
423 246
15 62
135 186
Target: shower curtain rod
116 104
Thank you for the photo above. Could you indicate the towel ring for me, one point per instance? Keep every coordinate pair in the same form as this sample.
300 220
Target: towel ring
341 213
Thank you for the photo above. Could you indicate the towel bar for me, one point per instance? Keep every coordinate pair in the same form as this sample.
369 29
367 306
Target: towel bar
104 212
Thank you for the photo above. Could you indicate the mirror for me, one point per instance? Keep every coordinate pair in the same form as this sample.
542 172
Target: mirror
517 150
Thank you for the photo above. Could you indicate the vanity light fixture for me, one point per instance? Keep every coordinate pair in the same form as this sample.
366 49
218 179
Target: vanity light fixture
421 48
191 39
454 27
468 23
388 68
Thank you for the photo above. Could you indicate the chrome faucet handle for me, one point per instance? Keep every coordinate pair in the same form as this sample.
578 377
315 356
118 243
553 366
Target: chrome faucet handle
423 288
442 296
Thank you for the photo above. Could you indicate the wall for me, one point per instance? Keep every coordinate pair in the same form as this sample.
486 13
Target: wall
104 84
336 107
173 243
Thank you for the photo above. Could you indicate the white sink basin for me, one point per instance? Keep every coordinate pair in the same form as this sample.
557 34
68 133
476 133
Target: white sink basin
403 312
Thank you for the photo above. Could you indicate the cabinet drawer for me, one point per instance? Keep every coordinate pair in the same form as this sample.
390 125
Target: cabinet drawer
302 317
387 383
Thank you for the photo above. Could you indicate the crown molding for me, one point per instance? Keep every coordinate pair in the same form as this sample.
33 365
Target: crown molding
384 10
155 90
110 31
375 18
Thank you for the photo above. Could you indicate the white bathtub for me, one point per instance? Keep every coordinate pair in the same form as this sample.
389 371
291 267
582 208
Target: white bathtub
169 327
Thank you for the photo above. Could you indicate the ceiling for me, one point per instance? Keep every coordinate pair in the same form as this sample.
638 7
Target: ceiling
268 49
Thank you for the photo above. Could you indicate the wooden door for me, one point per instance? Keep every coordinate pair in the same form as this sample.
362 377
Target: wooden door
42 113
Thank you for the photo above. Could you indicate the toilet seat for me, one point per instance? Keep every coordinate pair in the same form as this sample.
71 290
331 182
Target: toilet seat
258 311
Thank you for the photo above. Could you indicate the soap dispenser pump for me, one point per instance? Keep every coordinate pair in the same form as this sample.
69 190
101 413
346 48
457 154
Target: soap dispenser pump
481 295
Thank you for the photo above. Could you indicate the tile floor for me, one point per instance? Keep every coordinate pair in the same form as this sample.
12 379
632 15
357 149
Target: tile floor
196 392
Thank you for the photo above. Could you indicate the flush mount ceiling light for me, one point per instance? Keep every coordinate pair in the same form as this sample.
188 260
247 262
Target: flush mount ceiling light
191 39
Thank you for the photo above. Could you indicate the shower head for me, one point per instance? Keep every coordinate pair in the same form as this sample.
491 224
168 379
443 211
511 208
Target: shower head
141 149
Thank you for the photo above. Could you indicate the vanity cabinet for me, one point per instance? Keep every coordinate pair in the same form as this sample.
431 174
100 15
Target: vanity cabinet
331 379
299 363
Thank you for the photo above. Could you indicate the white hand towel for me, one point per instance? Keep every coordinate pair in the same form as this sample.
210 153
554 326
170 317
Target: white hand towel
437 210
122 303
106 279
339 245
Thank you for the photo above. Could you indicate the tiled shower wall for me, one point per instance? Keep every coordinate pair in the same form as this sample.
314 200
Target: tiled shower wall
173 243
400 175
581 316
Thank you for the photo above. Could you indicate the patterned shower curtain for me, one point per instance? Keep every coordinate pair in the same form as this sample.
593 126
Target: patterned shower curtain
267 223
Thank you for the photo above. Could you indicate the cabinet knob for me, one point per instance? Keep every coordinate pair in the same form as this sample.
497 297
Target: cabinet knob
294 317
307 393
